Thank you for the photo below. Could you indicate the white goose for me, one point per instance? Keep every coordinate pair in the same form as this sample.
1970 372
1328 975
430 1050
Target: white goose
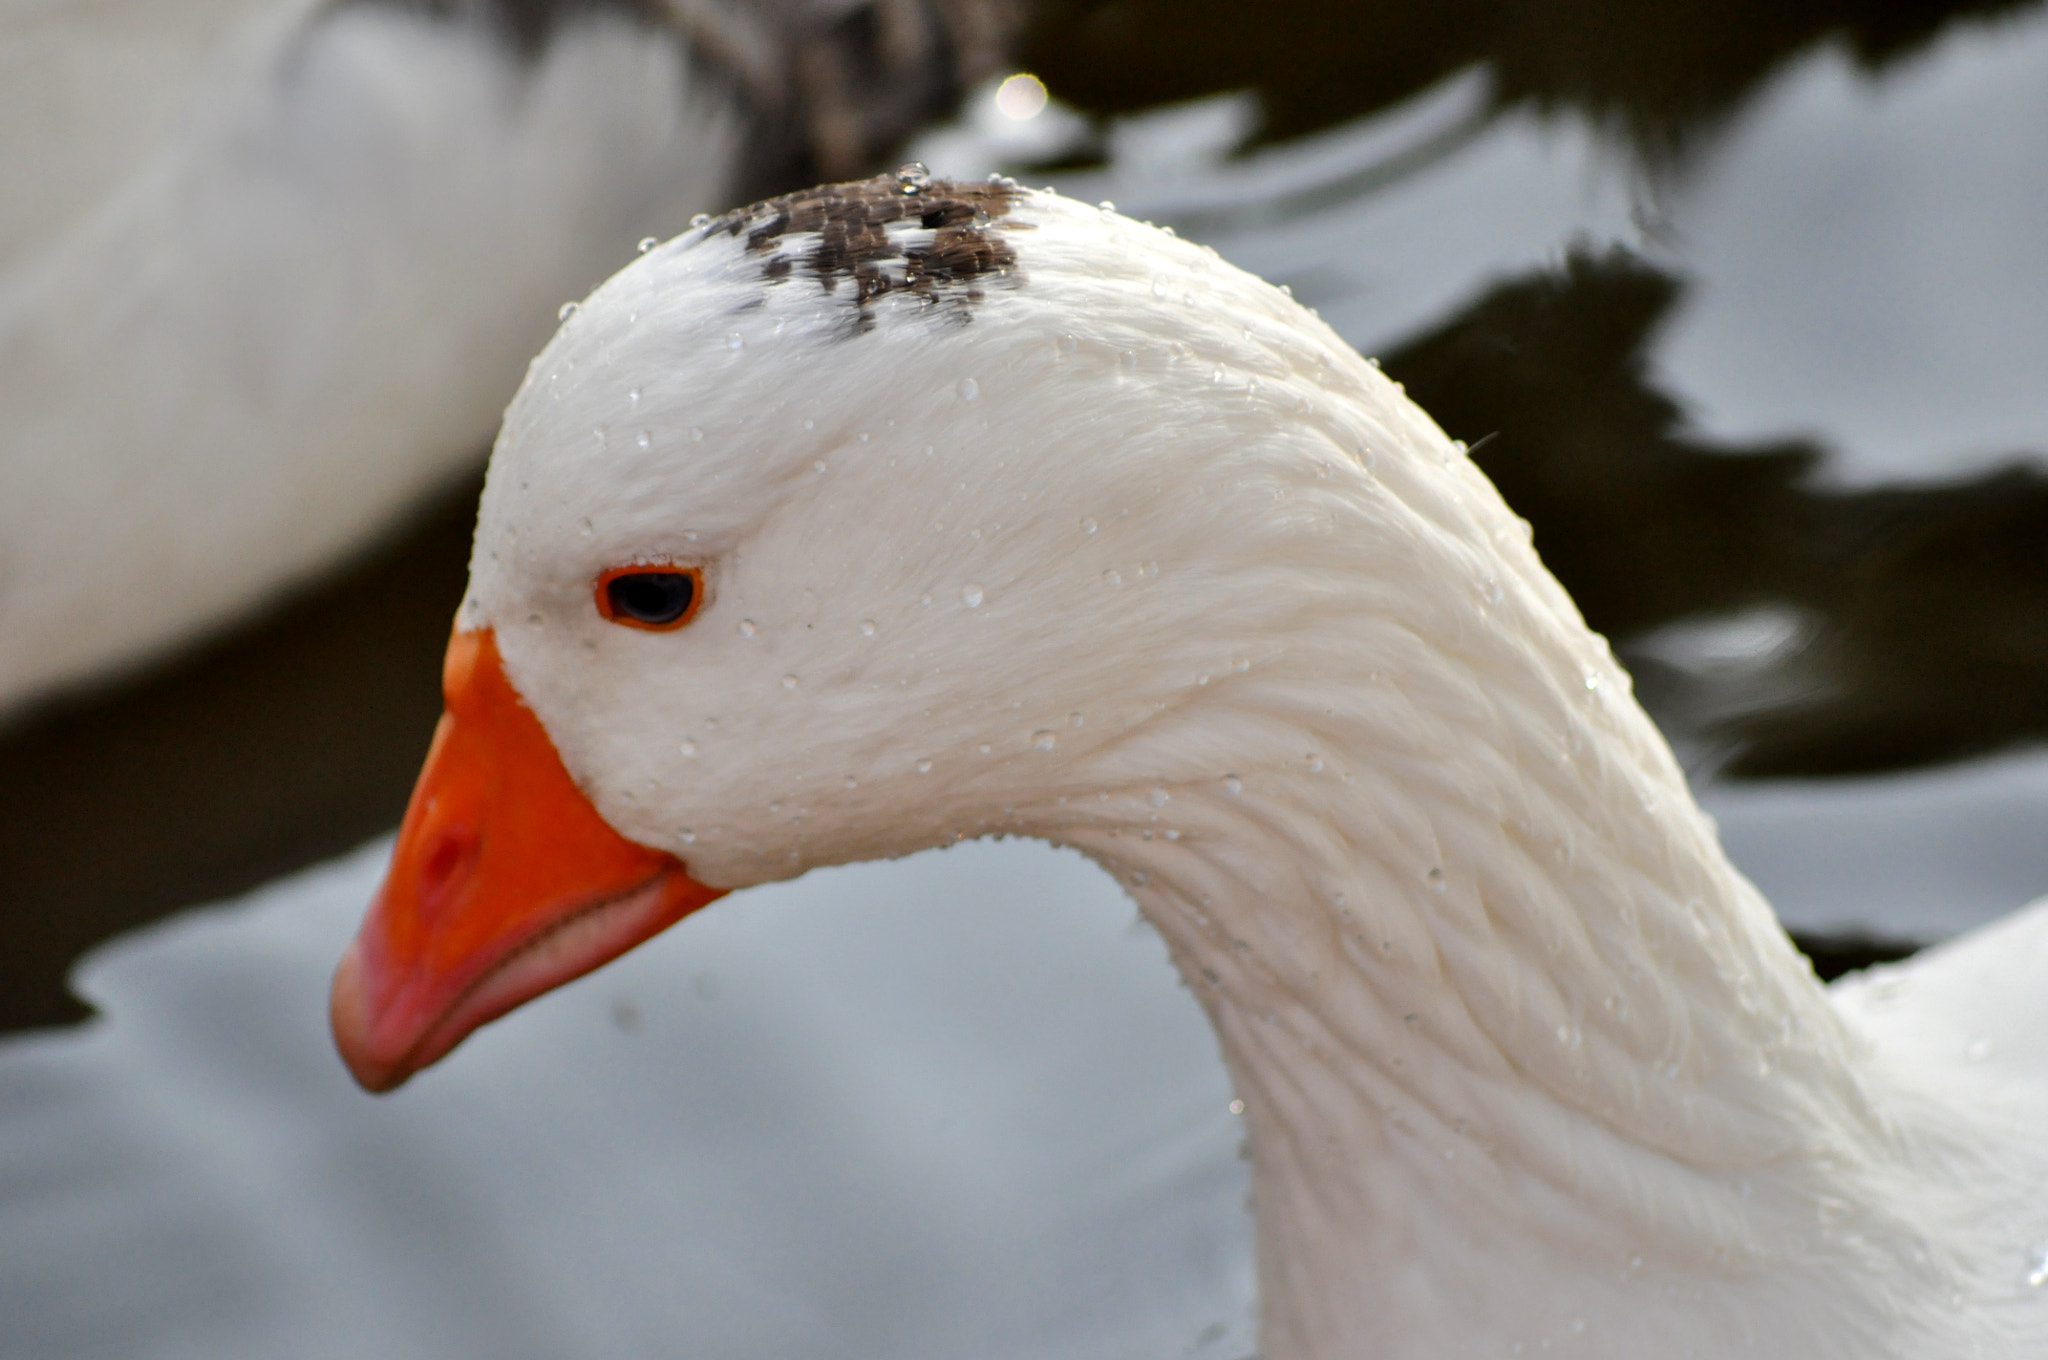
904 511
269 268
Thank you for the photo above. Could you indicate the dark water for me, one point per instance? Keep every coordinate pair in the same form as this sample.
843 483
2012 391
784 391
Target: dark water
1740 305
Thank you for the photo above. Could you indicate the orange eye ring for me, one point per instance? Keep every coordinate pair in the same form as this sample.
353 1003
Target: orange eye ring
659 597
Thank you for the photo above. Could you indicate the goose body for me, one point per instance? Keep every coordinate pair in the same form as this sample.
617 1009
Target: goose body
268 285
1007 515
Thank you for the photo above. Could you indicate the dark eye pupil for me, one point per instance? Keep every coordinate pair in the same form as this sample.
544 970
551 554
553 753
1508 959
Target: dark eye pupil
651 596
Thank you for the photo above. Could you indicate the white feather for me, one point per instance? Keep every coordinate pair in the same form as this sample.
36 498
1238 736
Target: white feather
1132 554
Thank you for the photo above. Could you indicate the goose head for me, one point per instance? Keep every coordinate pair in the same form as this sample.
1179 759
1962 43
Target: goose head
979 498
901 512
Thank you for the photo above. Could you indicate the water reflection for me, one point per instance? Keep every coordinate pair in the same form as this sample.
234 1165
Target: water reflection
1662 73
841 1120
1923 612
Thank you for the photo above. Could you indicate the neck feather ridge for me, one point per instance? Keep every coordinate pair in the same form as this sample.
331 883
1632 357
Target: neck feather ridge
1478 965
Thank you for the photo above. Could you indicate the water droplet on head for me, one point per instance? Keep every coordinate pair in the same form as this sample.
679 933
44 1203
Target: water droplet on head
648 243
851 782
645 439
1068 344
1089 526
1315 763
969 389
789 682
1113 577
689 746
1435 878
747 628
700 220
696 434
1043 740
1237 1107
912 177
686 836
819 466
1216 375
1159 797
1107 207
602 435
924 767
633 397
1241 664
1232 784
867 627
567 310
971 596
733 340
1158 288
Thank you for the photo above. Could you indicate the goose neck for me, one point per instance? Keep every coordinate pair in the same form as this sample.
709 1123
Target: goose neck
1492 996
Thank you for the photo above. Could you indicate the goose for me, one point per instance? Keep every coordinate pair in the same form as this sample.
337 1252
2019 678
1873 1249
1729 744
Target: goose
906 511
269 268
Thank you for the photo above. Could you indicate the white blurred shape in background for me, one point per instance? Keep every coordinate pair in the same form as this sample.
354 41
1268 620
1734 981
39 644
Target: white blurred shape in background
268 273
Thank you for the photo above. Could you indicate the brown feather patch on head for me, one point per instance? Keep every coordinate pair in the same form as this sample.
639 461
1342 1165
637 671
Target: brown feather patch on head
903 233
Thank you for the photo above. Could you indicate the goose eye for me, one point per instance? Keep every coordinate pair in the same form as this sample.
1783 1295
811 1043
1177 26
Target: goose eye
656 597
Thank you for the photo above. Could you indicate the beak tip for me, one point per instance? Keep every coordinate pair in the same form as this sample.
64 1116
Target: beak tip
348 1012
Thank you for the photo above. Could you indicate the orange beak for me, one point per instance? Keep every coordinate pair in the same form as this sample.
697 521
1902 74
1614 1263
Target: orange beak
506 883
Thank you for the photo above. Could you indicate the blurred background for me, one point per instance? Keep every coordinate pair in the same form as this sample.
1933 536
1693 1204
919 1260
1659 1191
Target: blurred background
1741 304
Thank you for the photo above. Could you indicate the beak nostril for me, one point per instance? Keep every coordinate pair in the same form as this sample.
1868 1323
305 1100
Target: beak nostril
445 864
